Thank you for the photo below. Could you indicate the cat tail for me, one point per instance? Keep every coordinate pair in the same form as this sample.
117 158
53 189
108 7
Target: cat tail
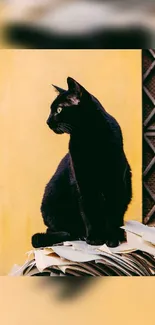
48 239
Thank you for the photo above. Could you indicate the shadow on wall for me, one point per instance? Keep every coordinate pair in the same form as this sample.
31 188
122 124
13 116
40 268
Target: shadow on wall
65 288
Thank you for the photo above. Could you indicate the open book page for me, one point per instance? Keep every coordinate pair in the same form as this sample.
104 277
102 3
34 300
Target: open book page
43 261
139 229
74 255
17 270
83 246
75 268
88 249
149 237
136 239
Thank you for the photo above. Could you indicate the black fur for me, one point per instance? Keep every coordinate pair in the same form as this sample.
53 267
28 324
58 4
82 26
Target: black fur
88 195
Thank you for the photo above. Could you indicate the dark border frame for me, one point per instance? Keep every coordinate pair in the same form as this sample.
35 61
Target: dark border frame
148 116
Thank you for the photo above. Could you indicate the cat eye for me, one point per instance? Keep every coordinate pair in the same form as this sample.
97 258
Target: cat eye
59 109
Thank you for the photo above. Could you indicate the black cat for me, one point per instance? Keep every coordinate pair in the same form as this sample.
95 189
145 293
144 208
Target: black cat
88 195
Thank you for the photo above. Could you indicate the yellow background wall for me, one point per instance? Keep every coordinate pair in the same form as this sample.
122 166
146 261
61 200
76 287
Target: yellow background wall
105 300
30 152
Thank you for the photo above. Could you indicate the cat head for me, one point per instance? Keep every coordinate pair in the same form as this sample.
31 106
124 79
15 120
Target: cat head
67 110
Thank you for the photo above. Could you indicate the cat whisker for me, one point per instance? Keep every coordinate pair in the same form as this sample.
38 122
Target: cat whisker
69 127
59 129
66 127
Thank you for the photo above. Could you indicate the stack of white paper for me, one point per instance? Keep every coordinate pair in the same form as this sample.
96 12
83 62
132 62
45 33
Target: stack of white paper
77 257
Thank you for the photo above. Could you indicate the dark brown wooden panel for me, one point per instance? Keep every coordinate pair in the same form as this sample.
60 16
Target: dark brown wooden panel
148 68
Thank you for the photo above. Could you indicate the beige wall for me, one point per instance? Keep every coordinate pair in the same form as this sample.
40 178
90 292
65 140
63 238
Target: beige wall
106 300
30 152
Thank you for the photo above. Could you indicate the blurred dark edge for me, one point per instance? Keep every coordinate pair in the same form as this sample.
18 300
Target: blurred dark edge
66 288
32 38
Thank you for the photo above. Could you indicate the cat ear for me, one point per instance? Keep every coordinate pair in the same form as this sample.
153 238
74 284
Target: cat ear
58 89
74 86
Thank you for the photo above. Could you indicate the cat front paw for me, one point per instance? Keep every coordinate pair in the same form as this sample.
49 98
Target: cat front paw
95 240
116 237
112 242
36 240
